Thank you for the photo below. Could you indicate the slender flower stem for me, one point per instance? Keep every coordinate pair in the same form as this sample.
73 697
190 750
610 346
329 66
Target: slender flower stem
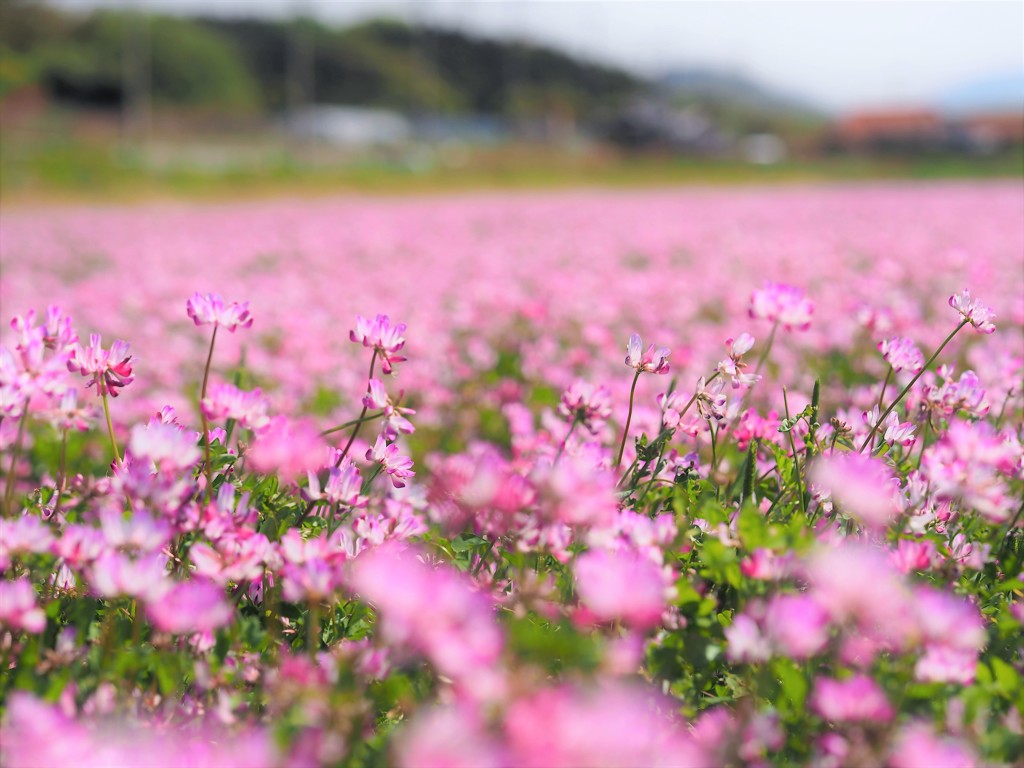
796 457
629 418
1009 532
62 471
110 428
9 488
885 383
565 440
202 415
313 627
913 381
654 474
351 423
362 414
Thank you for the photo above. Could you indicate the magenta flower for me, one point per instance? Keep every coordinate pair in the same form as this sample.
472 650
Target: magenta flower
855 700
973 311
190 606
395 464
786 305
110 369
654 360
621 585
379 334
209 309
288 448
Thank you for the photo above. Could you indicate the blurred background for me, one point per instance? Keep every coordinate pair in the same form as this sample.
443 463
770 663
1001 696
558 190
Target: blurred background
168 97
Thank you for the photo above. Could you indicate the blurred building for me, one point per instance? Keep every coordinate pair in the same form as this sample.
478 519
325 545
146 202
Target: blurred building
912 131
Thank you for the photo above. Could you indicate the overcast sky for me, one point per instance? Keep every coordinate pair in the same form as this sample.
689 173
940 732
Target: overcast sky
839 55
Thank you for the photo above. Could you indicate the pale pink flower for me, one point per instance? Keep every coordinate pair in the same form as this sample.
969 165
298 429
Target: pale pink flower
287 448
343 486
109 369
897 431
711 403
942 664
918 746
21 535
434 610
18 607
864 486
450 737
614 725
784 304
167 447
67 415
397 466
249 409
210 309
654 360
973 311
854 700
902 354
383 337
796 625
377 398
114 574
745 641
586 404
733 366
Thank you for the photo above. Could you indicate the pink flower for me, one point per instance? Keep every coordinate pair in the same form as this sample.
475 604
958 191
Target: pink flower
396 465
854 700
919 747
621 585
734 365
209 309
434 610
898 432
450 737
343 486
973 311
395 422
902 354
586 404
225 401
911 555
110 369
864 486
711 403
745 641
654 360
287 448
190 606
796 625
18 607
784 304
383 337
942 664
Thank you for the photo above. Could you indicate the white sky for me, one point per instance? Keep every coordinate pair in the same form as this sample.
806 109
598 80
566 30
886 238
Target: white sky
839 55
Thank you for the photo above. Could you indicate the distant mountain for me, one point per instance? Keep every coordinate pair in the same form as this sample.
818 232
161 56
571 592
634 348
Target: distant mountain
723 87
1003 92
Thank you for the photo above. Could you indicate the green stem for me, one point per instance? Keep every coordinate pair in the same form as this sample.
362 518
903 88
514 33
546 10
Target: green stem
62 471
351 423
629 418
885 383
565 440
11 471
362 414
110 428
208 464
313 627
913 381
796 458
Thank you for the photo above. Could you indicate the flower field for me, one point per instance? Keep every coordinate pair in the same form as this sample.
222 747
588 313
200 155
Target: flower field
685 478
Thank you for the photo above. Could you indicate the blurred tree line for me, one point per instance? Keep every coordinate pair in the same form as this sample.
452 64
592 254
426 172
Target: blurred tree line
257 66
